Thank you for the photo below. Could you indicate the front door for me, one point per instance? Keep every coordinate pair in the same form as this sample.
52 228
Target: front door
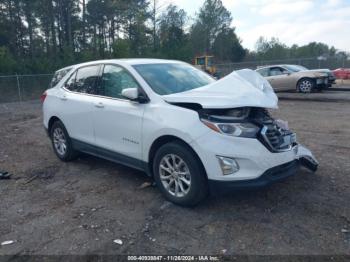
279 79
117 120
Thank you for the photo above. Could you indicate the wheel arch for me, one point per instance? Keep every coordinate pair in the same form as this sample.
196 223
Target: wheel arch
162 140
52 120
311 79
305 78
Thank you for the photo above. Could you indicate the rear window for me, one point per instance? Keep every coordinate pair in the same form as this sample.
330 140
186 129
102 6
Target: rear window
58 76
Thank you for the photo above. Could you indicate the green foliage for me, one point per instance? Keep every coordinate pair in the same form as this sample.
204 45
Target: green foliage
7 63
227 47
40 36
121 48
212 19
212 33
273 49
173 39
270 50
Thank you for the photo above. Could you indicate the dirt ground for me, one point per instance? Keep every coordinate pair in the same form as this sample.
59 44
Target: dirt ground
50 207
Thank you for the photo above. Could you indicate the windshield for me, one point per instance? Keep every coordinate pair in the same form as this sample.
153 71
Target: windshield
295 68
165 79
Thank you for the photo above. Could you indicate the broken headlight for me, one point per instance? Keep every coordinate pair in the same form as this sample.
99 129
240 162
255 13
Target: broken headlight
239 129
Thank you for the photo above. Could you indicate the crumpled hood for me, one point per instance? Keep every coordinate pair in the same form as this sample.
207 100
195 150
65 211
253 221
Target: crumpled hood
242 88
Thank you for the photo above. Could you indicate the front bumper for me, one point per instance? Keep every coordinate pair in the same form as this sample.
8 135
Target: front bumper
270 176
253 158
322 83
331 80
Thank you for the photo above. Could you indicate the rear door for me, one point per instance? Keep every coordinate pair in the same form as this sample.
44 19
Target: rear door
117 120
76 103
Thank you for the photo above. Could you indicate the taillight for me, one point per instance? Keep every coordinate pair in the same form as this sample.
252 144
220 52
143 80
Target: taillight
43 96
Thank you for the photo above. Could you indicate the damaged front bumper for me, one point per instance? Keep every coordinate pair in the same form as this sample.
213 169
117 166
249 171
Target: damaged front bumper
275 174
258 165
307 159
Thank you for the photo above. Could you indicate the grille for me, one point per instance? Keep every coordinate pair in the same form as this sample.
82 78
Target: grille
272 136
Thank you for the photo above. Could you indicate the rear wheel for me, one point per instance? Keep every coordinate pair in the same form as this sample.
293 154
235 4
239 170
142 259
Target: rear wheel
179 174
61 142
305 85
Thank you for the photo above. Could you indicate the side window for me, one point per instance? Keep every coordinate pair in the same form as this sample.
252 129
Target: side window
70 82
58 76
275 71
86 79
284 71
263 71
114 80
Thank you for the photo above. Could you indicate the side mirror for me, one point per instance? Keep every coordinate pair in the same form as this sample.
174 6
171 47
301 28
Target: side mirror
130 93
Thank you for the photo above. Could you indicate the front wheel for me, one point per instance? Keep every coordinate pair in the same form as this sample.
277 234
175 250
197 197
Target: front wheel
305 85
179 174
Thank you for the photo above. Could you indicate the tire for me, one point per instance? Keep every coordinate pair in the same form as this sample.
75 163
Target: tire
305 85
61 142
190 170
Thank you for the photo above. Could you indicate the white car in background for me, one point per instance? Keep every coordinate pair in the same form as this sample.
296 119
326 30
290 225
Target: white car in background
188 131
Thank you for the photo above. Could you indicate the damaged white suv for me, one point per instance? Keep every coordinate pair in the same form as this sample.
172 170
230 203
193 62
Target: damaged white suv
191 133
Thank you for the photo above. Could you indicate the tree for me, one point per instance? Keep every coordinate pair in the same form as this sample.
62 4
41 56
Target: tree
227 46
136 29
40 36
271 49
173 40
274 49
212 19
121 48
7 62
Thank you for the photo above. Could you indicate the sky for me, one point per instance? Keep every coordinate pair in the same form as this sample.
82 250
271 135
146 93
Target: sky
291 21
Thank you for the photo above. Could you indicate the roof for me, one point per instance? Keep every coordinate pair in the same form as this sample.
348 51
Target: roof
267 66
137 61
130 61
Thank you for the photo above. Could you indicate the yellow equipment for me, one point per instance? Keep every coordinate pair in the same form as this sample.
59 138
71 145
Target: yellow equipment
205 63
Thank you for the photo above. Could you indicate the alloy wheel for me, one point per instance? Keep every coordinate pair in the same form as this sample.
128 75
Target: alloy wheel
305 86
59 141
175 175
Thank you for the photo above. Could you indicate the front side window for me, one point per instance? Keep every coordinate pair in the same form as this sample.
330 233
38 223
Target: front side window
114 80
170 78
295 68
201 61
276 71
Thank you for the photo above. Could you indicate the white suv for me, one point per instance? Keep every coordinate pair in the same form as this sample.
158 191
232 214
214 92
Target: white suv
191 133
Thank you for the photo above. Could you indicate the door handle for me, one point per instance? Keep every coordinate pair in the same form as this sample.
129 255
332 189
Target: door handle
64 98
99 105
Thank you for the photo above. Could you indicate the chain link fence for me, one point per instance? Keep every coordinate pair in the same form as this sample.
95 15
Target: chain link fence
19 88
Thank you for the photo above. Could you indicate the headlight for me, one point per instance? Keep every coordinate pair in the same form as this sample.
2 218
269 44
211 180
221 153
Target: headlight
240 129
